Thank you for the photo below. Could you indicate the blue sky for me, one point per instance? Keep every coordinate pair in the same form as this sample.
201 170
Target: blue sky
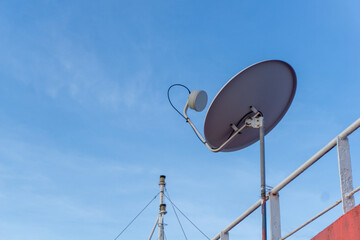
86 129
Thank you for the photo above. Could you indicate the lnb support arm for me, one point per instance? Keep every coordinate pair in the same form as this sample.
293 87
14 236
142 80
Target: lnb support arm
236 129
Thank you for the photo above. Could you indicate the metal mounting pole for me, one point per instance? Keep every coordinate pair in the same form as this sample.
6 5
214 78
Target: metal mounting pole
262 172
162 210
258 122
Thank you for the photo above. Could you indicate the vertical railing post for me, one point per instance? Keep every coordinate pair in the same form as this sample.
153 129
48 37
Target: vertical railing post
345 173
275 225
224 236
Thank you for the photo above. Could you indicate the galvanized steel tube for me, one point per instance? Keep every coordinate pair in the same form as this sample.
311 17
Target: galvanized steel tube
316 157
240 218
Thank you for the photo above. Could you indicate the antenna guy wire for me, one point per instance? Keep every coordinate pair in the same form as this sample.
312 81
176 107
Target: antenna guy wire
136 217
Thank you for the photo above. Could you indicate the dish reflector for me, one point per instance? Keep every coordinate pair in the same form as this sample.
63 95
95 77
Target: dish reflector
269 86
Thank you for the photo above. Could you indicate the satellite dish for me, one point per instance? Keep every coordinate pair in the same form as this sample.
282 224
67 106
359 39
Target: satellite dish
247 108
269 86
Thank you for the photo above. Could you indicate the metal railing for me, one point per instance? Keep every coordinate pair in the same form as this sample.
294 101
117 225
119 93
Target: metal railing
346 185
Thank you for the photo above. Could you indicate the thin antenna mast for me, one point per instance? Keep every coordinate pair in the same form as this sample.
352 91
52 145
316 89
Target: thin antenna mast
162 209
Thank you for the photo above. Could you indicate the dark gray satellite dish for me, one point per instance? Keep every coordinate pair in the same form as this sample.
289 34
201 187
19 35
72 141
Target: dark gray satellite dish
249 106
269 86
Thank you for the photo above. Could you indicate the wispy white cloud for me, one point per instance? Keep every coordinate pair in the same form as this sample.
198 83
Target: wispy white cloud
59 67
42 185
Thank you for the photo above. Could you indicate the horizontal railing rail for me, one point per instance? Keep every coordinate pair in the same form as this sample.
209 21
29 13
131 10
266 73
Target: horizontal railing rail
345 181
317 216
316 156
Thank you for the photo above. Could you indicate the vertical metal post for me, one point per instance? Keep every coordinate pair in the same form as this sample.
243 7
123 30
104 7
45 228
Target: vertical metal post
224 236
262 172
275 226
345 173
162 210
